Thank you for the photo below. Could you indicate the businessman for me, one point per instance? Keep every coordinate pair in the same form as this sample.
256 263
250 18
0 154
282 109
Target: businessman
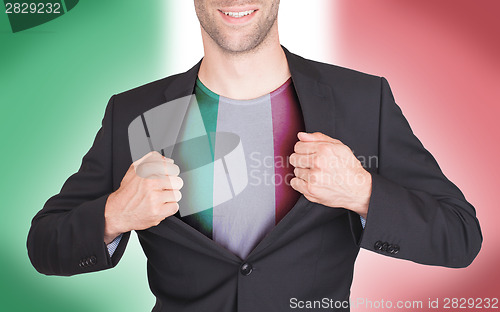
297 237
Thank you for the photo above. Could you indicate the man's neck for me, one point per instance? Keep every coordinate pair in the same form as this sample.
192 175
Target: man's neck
244 76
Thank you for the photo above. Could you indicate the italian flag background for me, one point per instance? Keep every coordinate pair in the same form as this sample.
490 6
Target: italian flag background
440 57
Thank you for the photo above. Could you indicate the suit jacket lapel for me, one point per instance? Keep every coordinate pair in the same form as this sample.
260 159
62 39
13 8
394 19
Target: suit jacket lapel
315 97
183 85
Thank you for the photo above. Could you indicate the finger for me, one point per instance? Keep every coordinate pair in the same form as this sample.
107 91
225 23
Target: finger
143 158
171 183
152 156
302 173
172 169
170 196
171 208
298 184
157 169
157 157
301 186
316 137
311 176
302 161
303 147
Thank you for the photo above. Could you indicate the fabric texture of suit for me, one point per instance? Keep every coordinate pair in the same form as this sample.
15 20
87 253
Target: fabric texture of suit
310 254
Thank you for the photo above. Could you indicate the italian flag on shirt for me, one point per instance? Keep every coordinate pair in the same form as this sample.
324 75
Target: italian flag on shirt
267 128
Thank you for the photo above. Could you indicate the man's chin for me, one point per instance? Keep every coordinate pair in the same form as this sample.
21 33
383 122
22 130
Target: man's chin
239 47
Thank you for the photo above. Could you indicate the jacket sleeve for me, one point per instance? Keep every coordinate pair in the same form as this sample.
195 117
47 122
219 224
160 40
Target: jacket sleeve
415 212
67 236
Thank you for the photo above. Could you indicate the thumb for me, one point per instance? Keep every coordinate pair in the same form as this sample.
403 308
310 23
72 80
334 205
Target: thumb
143 158
152 156
316 137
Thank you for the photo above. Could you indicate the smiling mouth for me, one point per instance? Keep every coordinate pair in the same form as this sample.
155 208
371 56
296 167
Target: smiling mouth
239 14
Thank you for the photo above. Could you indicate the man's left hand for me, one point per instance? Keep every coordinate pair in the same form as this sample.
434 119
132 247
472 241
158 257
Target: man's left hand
327 172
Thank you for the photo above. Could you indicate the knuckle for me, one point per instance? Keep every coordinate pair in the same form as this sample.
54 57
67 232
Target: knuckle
344 149
179 182
177 195
172 208
172 169
175 169
155 155
337 141
168 160
296 147
158 220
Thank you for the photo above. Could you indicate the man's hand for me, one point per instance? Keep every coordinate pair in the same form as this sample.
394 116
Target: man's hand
148 193
327 172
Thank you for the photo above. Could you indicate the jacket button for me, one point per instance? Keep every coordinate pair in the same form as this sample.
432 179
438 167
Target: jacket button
378 245
395 249
93 260
390 249
385 245
246 269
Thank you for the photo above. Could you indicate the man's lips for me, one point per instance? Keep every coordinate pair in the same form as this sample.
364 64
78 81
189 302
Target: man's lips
237 15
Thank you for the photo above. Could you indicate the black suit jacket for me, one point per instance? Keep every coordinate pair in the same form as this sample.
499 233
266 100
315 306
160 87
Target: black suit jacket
415 212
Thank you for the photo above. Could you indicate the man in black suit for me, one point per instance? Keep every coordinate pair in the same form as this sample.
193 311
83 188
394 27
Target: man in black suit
412 211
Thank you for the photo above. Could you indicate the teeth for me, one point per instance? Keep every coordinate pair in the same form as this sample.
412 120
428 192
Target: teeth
239 14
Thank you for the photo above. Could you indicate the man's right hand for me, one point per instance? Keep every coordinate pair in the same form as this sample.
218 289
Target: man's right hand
148 193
